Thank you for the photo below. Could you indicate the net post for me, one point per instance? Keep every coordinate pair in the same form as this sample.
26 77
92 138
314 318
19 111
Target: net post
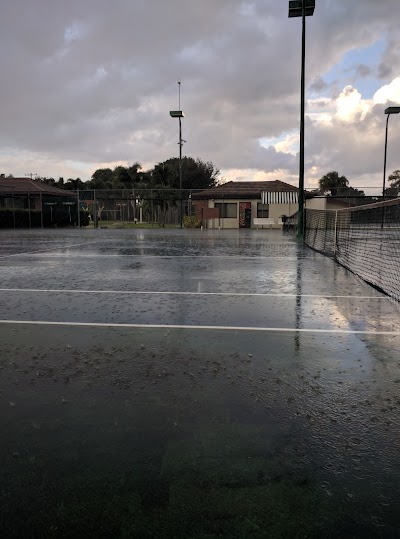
335 235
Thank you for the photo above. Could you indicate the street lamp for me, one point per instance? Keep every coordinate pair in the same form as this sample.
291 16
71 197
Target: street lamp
388 112
179 114
303 9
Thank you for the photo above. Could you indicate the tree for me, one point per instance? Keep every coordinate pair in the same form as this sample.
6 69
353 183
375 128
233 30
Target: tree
121 178
135 173
102 178
163 199
333 184
196 174
47 181
394 181
73 185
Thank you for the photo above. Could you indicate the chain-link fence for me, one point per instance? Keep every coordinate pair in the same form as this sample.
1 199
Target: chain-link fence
97 208
158 207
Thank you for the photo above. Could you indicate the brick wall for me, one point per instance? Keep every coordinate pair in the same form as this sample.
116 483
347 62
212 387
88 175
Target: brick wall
203 212
198 206
210 213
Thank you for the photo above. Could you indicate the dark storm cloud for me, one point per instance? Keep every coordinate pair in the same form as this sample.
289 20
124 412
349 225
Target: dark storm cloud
93 81
318 85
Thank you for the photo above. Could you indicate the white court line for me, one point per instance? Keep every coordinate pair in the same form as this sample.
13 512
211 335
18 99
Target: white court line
96 255
172 293
43 251
209 328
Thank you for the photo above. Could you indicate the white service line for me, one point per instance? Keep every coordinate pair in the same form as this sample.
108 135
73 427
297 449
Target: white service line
179 293
208 328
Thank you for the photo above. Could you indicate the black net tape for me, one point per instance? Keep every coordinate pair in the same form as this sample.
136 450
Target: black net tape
364 239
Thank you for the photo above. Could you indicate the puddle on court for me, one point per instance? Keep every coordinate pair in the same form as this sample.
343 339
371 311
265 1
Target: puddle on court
197 434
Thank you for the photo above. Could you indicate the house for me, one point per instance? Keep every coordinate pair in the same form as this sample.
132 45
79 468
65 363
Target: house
25 193
27 203
253 204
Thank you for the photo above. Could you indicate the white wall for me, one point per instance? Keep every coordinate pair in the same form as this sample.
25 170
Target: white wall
234 223
224 223
275 211
315 203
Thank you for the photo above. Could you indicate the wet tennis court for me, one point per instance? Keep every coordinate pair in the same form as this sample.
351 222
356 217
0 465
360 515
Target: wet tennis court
194 384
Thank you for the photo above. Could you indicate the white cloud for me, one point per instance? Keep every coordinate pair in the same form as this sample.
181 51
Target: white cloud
350 106
290 144
389 92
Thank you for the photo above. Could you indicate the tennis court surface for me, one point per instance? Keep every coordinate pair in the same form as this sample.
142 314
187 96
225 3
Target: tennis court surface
194 384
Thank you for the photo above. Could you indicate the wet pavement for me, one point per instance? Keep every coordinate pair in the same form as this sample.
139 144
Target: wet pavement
137 430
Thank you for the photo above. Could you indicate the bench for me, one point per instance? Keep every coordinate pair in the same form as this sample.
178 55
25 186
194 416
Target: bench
263 221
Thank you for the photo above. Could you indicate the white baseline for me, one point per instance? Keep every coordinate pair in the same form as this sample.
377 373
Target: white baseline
188 327
181 293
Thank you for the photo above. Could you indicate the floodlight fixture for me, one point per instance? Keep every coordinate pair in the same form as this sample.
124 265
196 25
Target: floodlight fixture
392 110
176 114
296 8
388 112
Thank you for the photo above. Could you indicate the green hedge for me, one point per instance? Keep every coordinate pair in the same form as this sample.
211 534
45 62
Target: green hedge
20 218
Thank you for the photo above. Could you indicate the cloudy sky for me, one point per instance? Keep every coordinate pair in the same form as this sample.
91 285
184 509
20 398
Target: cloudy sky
89 83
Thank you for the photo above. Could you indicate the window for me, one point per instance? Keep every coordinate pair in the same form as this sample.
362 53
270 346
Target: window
262 210
227 210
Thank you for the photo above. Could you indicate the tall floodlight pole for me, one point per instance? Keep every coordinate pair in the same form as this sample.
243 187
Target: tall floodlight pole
388 112
180 161
179 114
303 9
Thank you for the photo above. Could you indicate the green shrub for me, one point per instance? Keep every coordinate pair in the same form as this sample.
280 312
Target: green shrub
191 221
84 217
58 217
21 218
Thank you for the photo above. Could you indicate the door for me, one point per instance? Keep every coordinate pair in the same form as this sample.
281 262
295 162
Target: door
244 214
247 218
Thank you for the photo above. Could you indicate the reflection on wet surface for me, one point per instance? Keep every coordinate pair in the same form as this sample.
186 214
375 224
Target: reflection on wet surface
345 314
183 433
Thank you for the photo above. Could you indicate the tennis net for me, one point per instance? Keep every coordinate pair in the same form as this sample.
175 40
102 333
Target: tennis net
364 239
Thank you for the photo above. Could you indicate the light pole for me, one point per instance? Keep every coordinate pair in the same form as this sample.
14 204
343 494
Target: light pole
179 114
388 112
303 9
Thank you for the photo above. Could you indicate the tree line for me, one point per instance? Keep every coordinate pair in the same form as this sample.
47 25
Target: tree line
334 185
196 174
